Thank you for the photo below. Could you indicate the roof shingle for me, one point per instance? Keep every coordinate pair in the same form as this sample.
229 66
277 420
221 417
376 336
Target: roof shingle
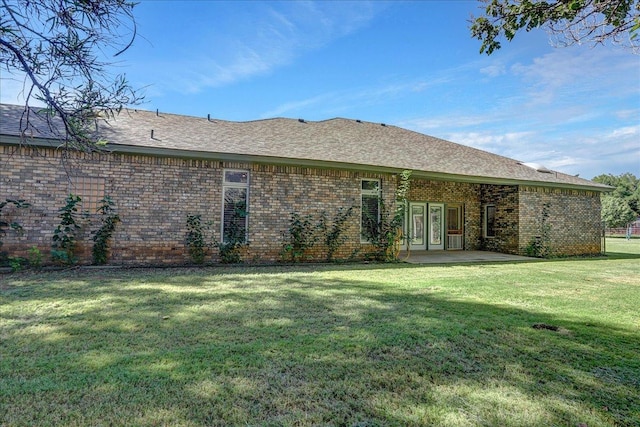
340 141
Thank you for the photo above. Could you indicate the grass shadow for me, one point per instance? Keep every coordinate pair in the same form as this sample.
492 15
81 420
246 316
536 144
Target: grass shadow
305 345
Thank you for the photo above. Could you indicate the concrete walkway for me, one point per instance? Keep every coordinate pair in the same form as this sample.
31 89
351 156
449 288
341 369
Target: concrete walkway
445 257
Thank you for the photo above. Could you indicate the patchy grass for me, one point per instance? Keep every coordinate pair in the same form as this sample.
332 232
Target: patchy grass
355 345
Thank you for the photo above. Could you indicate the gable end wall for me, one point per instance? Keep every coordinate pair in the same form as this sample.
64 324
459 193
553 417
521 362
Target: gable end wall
575 227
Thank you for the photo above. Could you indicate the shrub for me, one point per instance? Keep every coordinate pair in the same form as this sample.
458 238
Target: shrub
230 251
17 263
195 239
65 235
6 224
334 232
299 238
384 234
234 238
34 256
103 235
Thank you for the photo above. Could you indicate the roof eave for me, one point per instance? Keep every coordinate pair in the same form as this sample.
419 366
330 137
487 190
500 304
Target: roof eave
245 158
506 181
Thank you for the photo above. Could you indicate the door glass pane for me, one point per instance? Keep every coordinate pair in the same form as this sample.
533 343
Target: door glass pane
454 225
417 225
435 226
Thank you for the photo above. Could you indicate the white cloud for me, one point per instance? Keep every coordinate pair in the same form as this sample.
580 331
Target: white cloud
12 89
294 106
340 101
257 47
578 72
583 151
602 152
494 70
510 144
247 62
453 120
625 132
628 114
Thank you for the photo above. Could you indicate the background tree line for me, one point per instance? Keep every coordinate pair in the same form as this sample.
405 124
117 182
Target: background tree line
622 206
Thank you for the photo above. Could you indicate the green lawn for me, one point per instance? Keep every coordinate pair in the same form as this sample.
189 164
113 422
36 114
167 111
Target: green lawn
354 345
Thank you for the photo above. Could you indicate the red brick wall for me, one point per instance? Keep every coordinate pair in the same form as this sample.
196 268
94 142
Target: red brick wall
574 219
505 198
153 196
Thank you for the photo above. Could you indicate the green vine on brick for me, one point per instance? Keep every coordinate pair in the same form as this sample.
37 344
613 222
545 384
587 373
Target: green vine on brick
540 245
333 231
195 239
384 232
5 224
299 238
235 235
103 235
402 207
66 233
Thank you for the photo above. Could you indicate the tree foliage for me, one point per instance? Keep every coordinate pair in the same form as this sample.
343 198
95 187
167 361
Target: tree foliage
622 205
63 50
568 21
616 212
627 188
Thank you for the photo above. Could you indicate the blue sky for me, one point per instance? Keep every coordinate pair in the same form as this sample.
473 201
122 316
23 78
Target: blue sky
410 64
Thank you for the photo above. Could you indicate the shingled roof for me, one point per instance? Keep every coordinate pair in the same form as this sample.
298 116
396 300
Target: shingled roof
340 143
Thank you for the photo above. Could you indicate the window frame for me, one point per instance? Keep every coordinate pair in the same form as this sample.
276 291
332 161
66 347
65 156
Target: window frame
235 185
459 219
369 193
485 221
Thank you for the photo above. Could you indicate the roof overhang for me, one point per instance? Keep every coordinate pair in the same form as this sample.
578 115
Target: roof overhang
285 161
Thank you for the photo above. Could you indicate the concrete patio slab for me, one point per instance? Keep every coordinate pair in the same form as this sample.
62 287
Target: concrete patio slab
445 257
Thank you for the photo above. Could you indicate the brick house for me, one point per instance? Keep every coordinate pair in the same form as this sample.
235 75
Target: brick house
159 167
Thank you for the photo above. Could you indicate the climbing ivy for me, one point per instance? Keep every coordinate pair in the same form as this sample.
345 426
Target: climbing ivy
540 245
102 236
334 231
66 233
235 237
384 232
195 238
300 237
5 224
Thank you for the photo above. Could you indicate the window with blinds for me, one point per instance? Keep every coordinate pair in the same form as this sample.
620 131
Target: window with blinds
235 205
370 212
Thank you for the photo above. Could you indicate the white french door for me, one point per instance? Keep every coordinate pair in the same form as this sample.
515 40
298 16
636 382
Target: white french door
436 226
417 226
426 226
